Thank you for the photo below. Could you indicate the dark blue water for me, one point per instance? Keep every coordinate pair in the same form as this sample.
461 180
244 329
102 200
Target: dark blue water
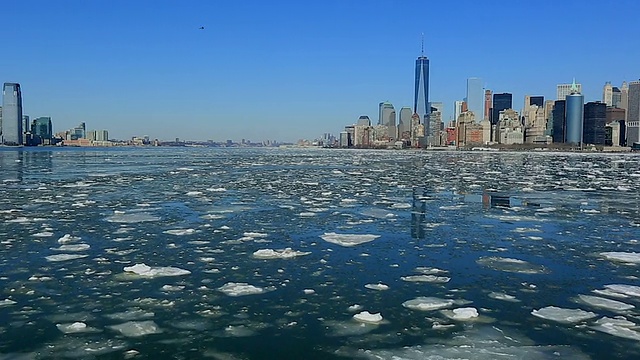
208 210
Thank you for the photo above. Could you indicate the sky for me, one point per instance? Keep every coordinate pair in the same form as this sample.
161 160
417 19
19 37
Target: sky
289 70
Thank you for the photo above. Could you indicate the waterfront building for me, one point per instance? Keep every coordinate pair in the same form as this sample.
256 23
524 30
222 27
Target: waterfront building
624 98
364 120
435 126
535 125
404 123
615 114
458 109
487 104
614 134
387 117
510 129
616 97
574 116
594 123
11 115
475 97
558 121
421 88
42 130
417 130
565 89
533 100
633 113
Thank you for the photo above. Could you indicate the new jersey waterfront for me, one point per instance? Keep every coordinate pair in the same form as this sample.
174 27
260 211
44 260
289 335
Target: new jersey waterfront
188 253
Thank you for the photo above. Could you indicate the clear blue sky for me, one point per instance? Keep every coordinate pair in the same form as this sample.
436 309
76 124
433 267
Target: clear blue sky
285 70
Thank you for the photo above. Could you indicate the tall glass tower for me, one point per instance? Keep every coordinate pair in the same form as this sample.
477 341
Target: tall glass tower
475 98
421 92
11 114
574 116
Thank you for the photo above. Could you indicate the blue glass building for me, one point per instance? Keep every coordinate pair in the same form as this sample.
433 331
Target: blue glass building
11 114
421 93
574 116
475 98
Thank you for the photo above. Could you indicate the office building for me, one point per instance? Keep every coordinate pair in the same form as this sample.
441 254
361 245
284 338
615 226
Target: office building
501 102
533 100
616 97
595 115
42 130
421 89
487 104
574 116
364 121
387 117
624 98
633 113
565 89
404 123
11 114
458 109
558 121
475 97
607 94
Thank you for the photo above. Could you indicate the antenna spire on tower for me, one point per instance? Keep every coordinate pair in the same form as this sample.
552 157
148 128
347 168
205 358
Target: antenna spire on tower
422 45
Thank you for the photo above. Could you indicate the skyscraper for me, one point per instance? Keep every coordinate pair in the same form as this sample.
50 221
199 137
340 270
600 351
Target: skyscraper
421 90
500 102
42 130
595 116
475 97
559 121
633 113
565 89
487 104
624 98
404 123
574 116
607 93
11 114
387 117
457 109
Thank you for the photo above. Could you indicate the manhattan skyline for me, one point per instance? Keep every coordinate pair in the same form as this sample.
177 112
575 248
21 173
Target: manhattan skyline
288 70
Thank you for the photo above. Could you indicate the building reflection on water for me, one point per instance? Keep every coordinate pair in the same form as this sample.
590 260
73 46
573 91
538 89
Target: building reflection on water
418 213
16 164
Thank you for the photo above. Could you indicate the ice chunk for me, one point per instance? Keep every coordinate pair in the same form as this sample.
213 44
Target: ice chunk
625 257
286 253
76 327
64 257
131 314
148 271
563 315
354 307
67 238
503 296
73 247
378 286
6 302
180 232
137 328
430 270
629 290
424 303
461 314
255 234
348 239
240 289
43 234
123 218
426 278
309 291
620 327
608 304
511 265
367 317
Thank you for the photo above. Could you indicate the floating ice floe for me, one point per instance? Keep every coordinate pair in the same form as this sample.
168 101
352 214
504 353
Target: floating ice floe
618 326
367 317
378 286
563 315
625 257
219 189
180 232
511 265
628 290
6 302
137 328
461 314
72 247
424 303
426 278
255 234
64 257
608 304
67 238
348 239
240 289
43 234
308 291
131 314
503 296
430 270
355 307
286 253
148 271
76 327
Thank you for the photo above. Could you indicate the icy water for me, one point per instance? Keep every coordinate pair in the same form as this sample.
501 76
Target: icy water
318 254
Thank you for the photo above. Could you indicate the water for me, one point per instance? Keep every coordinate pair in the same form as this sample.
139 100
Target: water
207 211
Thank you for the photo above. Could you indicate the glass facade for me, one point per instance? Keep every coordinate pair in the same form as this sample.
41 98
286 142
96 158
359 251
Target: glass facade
11 114
595 117
421 92
537 100
42 130
574 118
501 102
558 115
475 97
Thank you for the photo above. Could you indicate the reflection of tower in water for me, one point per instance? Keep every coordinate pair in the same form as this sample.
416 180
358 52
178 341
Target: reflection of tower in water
418 212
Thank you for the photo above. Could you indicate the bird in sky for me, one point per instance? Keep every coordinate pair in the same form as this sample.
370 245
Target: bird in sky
201 28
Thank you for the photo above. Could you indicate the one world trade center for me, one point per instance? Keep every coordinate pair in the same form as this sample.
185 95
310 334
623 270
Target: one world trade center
421 94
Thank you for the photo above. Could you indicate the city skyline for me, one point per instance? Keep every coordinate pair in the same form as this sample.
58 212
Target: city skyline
288 75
